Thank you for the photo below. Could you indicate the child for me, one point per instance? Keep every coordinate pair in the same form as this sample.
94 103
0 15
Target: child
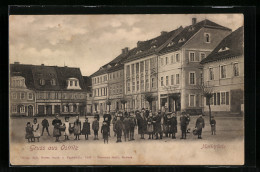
105 131
29 132
77 128
86 128
95 127
67 125
150 125
213 125
36 131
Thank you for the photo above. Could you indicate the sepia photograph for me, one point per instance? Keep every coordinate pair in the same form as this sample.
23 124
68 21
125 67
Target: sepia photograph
126 89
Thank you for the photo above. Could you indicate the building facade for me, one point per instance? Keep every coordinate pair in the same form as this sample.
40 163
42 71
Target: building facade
179 69
224 74
55 89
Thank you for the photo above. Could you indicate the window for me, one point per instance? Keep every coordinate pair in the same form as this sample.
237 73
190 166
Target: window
42 82
172 59
172 79
14 109
133 69
167 80
53 82
207 37
223 98
211 74
22 95
218 98
215 98
128 86
30 96
18 83
227 98
101 79
95 80
71 83
98 80
161 81
177 78
22 109
177 56
161 61
137 67
133 86
76 83
235 69
192 57
153 82
14 96
192 100
223 71
192 78
202 56
166 60
137 85
101 92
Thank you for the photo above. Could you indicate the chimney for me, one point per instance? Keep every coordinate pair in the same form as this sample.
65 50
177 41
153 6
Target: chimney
125 50
163 32
16 63
194 20
42 64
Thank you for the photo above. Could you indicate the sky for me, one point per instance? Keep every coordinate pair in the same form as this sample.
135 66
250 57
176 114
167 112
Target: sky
90 41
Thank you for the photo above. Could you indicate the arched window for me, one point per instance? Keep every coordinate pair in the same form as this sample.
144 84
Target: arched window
42 82
207 37
53 82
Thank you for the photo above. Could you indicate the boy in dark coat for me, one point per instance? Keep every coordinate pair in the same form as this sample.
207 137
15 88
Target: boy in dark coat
132 124
213 125
86 128
29 132
199 125
95 127
118 129
183 120
45 125
157 125
105 131
126 123
174 126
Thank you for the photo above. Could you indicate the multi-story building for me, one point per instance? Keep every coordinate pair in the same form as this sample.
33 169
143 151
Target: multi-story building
22 93
100 89
224 73
179 68
141 71
88 85
57 89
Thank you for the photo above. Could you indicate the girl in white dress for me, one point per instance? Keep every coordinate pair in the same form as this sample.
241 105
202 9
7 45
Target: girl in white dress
67 125
36 130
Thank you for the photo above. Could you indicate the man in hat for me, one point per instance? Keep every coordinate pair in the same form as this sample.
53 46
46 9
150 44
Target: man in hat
199 125
126 127
183 120
118 129
141 122
45 125
132 124
95 127
213 125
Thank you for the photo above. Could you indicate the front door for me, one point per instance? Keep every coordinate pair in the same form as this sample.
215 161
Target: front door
30 110
48 109
236 97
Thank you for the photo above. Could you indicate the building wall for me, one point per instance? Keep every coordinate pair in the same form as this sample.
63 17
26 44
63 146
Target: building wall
228 84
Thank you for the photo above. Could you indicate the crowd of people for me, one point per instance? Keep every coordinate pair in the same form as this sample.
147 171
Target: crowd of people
154 125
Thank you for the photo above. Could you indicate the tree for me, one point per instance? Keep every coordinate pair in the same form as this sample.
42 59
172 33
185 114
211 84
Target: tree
108 102
150 98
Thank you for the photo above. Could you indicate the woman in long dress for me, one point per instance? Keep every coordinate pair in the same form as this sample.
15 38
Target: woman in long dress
77 128
36 131
56 131
67 125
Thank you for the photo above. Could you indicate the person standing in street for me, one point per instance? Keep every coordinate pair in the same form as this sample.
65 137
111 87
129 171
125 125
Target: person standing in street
56 131
174 125
95 127
213 125
132 123
86 128
118 129
126 123
45 125
150 128
105 131
183 121
77 128
199 125
141 122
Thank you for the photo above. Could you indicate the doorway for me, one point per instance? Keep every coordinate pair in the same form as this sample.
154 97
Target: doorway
30 110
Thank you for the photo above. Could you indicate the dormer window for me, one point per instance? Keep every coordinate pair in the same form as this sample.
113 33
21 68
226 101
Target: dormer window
191 28
223 49
207 37
154 41
182 40
170 44
42 82
154 46
73 83
138 51
17 81
53 82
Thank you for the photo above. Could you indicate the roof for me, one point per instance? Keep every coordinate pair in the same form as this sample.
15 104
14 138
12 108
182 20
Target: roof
188 32
33 74
149 47
230 46
88 82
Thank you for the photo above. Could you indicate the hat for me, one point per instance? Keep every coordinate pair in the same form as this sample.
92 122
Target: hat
28 123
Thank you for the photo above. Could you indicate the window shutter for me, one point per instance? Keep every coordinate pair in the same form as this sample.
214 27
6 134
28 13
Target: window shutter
215 99
218 98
